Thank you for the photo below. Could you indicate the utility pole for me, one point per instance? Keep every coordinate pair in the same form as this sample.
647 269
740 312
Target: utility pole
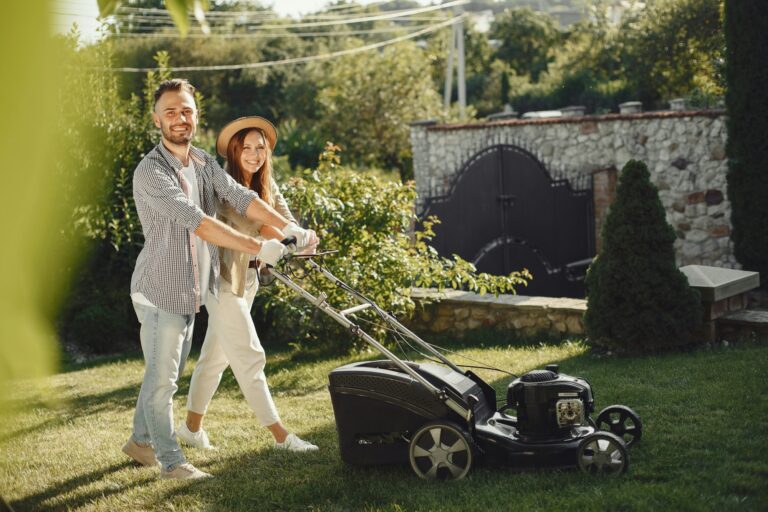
460 68
449 70
456 47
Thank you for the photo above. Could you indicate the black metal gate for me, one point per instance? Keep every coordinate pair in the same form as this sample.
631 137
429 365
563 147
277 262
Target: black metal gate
505 212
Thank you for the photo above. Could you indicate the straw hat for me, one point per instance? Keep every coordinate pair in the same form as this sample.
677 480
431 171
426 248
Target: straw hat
235 126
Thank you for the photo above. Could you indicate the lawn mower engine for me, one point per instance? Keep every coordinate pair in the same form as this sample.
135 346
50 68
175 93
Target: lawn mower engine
549 404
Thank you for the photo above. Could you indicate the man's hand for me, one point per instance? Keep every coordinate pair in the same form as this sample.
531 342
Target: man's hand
304 237
272 251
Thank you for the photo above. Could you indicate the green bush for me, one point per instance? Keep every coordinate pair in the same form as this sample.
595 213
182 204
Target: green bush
637 299
368 220
299 143
747 103
96 316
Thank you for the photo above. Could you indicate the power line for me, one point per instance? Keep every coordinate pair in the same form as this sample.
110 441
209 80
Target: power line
267 13
259 35
246 20
356 6
295 60
162 13
403 13
140 27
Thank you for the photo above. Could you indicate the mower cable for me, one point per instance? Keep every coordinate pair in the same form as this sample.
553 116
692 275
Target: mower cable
480 364
483 364
389 327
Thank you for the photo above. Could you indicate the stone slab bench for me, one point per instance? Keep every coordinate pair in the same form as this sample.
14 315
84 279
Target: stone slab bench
723 292
747 323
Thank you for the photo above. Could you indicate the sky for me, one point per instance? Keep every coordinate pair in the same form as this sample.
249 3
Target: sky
85 12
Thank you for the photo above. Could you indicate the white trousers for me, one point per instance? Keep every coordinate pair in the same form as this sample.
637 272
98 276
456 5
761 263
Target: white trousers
231 340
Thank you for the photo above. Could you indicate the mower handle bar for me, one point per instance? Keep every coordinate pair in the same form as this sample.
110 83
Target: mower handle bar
341 317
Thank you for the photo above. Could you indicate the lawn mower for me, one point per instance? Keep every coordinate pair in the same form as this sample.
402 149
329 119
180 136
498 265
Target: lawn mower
442 419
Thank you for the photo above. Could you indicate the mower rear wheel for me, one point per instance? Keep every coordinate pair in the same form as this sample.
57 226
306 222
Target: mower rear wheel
441 450
603 453
622 421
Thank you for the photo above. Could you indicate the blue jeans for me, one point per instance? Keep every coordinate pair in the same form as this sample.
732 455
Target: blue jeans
165 341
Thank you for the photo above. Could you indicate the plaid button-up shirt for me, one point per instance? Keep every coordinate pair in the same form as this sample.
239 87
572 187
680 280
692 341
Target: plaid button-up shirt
164 272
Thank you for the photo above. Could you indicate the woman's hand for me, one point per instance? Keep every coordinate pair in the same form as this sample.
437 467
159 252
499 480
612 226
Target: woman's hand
305 238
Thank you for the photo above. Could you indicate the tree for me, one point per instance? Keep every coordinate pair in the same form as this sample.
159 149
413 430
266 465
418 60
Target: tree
527 40
671 49
637 299
747 103
103 138
369 102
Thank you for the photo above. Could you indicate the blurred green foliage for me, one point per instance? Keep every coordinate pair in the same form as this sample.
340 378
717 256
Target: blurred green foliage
105 137
34 263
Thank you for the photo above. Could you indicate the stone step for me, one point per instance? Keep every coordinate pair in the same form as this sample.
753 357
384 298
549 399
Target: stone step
746 319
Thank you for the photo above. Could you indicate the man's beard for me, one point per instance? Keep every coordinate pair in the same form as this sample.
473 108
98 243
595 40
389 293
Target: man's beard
178 138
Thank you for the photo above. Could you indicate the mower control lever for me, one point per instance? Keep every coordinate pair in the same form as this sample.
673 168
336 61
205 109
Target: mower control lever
354 309
290 243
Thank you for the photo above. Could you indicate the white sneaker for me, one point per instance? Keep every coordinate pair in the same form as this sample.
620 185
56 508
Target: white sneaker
294 443
197 439
185 471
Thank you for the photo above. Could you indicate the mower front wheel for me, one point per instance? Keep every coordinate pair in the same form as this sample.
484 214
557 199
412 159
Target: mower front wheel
603 453
441 450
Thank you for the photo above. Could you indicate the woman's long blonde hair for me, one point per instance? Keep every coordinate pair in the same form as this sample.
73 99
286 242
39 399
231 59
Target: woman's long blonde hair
261 181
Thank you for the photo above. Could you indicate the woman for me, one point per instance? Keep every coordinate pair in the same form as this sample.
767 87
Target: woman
231 339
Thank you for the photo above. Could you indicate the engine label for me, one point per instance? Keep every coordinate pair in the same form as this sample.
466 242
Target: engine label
569 412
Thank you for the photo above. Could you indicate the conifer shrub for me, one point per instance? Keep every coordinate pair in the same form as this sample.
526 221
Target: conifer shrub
637 299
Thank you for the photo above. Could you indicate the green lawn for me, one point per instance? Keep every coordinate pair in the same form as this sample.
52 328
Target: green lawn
705 444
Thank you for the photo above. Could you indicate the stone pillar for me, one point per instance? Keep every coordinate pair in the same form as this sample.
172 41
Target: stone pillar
630 107
421 170
677 104
573 111
604 191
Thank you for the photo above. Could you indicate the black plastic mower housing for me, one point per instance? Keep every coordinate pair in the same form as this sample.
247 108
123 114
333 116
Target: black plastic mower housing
377 406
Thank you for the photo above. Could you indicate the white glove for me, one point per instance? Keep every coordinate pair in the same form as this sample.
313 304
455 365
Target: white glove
304 237
310 249
272 251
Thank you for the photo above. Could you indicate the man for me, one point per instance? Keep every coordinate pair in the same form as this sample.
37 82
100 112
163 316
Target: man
175 187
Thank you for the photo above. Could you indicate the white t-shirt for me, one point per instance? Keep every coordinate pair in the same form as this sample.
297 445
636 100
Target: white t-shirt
203 254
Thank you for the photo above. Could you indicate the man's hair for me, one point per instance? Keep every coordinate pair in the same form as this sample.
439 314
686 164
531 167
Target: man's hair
175 84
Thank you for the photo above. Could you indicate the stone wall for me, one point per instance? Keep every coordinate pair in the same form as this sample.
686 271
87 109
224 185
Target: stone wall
458 312
684 151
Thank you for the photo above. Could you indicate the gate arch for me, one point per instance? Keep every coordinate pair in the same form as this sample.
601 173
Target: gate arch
504 211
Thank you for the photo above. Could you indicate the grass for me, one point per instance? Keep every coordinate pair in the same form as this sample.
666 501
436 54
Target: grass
705 443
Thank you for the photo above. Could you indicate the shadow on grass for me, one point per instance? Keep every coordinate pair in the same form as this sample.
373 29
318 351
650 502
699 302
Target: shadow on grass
492 338
269 479
123 398
39 500
68 365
